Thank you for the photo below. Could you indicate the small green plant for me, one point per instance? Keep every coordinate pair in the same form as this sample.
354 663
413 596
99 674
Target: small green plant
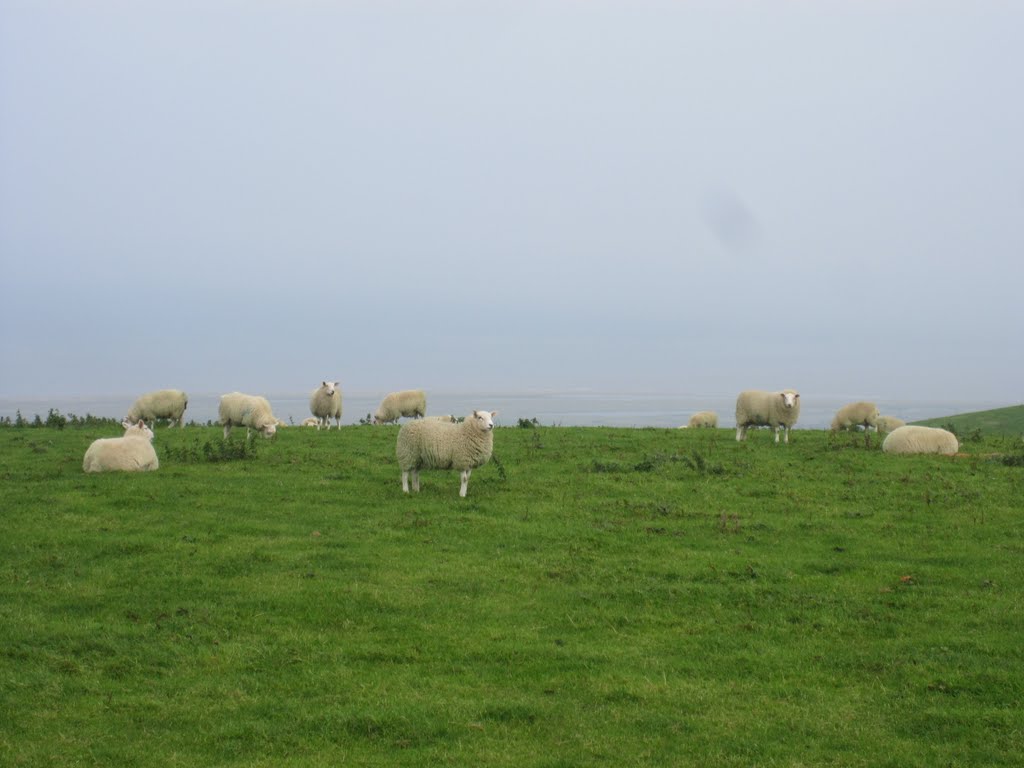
528 423
211 451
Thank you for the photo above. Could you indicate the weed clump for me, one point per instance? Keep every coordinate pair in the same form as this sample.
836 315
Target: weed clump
212 452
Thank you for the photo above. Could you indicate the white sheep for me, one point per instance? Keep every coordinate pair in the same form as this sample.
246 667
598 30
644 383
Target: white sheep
755 408
861 413
249 411
325 404
707 419
311 422
408 402
435 444
915 439
161 404
888 423
132 452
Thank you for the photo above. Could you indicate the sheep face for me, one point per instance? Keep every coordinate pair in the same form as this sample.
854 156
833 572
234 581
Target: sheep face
484 420
330 387
137 430
268 430
789 399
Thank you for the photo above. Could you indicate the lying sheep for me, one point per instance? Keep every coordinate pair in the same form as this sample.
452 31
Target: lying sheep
707 419
408 402
447 417
249 411
778 410
161 404
888 423
325 404
435 444
914 439
311 422
861 413
132 452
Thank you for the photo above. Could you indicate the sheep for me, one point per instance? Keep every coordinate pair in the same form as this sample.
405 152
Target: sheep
707 419
861 413
132 452
435 444
409 402
755 408
325 404
161 404
312 421
447 417
249 411
914 439
888 423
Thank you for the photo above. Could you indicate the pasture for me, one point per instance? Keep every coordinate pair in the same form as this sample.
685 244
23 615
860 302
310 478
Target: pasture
602 597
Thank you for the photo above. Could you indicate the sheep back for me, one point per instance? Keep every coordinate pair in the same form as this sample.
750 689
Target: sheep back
861 413
161 404
917 439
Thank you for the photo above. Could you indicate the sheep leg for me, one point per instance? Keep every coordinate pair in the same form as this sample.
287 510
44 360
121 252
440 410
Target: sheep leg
464 485
416 480
741 433
777 436
227 431
405 481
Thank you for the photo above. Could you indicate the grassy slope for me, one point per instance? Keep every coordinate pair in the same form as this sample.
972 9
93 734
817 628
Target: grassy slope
602 597
999 421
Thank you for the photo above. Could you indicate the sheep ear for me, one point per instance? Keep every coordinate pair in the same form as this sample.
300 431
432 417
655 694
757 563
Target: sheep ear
141 423
493 414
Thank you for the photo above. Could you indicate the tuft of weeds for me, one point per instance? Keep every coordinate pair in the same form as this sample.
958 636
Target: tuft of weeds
211 451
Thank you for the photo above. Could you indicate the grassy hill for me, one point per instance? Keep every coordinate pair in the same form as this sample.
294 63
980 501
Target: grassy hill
998 421
602 597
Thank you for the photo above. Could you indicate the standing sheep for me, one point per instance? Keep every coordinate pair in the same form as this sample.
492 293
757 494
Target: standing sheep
888 423
161 404
325 404
778 410
132 452
249 411
434 444
707 419
861 413
914 439
408 402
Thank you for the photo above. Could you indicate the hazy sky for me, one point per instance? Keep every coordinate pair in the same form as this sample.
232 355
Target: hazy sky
464 196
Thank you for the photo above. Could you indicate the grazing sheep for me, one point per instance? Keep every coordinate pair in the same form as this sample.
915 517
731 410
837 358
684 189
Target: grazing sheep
249 411
161 404
755 408
325 404
132 452
434 444
447 417
861 413
408 402
888 423
707 419
914 439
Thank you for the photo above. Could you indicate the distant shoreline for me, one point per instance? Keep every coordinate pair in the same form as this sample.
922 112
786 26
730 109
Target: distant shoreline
573 408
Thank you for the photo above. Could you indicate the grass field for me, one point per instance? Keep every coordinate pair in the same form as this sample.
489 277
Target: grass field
603 597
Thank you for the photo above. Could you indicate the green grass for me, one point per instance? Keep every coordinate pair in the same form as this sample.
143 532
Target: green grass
603 597
998 421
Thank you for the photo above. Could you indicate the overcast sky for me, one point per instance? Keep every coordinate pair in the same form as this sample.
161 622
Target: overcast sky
691 197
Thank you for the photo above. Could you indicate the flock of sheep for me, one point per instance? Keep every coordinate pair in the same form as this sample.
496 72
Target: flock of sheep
442 442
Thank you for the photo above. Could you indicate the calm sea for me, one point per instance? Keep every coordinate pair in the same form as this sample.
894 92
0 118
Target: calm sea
569 409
